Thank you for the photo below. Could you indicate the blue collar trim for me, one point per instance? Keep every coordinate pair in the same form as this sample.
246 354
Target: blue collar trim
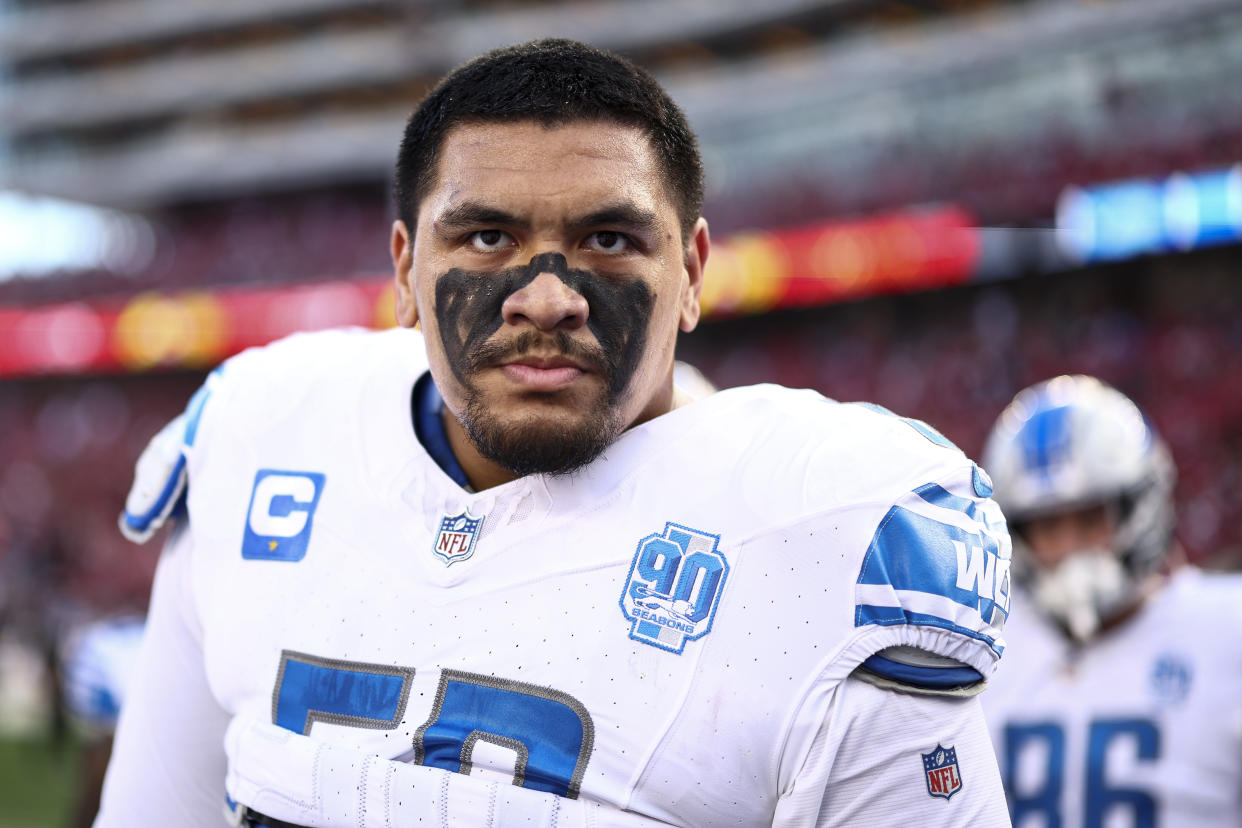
426 405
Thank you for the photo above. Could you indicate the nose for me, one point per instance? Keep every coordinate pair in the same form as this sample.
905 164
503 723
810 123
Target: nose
1053 539
547 303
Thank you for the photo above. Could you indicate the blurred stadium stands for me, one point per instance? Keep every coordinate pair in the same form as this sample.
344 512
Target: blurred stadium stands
257 140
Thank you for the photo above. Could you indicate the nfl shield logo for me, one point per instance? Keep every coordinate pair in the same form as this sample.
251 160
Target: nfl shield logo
455 541
940 768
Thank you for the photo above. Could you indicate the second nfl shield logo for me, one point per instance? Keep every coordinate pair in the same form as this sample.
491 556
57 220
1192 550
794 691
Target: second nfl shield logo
455 541
940 767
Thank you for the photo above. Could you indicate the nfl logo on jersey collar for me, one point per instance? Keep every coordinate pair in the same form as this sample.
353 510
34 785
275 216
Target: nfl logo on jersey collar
941 771
457 536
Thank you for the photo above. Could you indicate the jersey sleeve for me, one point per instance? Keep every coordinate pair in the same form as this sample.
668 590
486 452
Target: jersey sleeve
933 589
881 758
168 760
160 476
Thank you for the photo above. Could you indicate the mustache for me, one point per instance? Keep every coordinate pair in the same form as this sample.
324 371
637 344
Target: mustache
591 357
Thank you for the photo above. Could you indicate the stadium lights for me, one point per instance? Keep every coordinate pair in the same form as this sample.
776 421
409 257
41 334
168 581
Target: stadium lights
1124 219
41 236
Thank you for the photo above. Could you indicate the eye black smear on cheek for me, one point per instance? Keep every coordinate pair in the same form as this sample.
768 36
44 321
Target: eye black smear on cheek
469 302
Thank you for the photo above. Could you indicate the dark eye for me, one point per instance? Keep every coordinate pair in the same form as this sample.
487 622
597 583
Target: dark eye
488 240
608 241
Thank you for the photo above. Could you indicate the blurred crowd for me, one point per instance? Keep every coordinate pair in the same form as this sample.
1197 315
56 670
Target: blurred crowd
67 450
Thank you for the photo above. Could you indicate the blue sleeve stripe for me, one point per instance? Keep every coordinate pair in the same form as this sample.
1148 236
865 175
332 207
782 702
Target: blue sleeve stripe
140 523
194 412
930 433
893 616
928 604
918 425
937 495
935 678
938 558
913 552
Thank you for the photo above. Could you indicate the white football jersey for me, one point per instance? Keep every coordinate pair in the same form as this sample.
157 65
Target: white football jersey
666 636
1140 727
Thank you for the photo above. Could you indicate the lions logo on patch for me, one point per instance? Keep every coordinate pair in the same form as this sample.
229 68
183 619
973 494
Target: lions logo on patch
674 586
456 538
943 776
1171 679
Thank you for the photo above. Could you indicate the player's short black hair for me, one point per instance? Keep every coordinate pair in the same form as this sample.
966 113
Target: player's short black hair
552 82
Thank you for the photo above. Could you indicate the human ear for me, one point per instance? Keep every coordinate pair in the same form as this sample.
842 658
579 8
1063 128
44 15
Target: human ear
402 249
695 261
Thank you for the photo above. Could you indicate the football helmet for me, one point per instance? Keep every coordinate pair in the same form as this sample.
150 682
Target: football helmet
1073 442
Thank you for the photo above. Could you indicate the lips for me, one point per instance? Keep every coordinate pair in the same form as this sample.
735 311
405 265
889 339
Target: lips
540 362
543 373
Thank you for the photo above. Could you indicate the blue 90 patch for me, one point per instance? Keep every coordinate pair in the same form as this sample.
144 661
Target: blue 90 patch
674 587
281 513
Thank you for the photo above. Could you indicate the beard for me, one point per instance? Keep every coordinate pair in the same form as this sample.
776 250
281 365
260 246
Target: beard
538 445
469 307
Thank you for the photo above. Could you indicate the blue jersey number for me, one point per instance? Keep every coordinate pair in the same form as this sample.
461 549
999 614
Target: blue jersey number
311 689
549 733
1043 804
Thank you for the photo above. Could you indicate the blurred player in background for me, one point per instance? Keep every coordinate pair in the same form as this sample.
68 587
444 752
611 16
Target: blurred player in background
1120 699
98 662
505 572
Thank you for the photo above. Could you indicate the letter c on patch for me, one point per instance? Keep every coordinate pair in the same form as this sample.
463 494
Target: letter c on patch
282 509
281 505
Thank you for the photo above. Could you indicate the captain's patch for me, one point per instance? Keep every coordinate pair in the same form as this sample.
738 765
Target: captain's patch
281 514
674 586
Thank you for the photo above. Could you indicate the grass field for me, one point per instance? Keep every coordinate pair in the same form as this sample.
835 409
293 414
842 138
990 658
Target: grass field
36 783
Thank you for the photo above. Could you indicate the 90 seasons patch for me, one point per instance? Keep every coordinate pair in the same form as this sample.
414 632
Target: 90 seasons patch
674 587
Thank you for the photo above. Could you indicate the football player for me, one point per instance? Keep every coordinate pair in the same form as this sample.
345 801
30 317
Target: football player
1120 700
98 660
500 571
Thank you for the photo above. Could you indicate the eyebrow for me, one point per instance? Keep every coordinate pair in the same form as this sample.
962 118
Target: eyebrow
624 215
475 213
